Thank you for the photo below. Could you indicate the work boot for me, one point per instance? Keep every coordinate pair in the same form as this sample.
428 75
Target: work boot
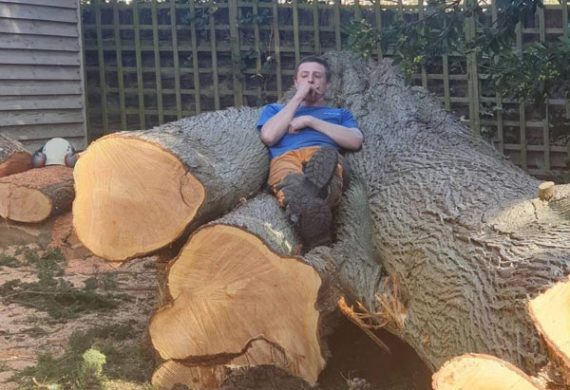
321 168
310 215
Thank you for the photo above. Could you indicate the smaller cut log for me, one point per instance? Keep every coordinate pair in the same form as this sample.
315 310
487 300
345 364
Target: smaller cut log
239 298
550 313
481 372
37 194
14 158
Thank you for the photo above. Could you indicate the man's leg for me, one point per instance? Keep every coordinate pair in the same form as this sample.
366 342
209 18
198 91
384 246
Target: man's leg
303 200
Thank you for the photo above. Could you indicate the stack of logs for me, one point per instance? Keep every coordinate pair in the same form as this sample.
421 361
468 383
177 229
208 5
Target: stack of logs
439 240
28 195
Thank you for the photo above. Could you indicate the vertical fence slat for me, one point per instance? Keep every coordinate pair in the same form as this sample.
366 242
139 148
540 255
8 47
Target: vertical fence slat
295 10
316 27
472 74
84 82
277 40
357 10
446 90
564 5
236 55
337 7
423 68
546 120
378 19
195 64
119 56
522 113
257 52
214 49
157 73
498 97
176 58
138 56
101 62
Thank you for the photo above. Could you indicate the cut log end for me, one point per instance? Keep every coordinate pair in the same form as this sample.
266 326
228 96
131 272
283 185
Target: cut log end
35 195
234 297
172 375
550 313
134 197
481 372
546 190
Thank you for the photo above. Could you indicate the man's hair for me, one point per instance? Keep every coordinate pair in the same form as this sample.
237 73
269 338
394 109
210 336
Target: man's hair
318 60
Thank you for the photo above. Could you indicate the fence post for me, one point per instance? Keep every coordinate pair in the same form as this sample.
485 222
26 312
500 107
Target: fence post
472 72
101 64
236 55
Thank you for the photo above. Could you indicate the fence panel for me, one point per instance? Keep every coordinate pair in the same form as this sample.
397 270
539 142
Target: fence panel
149 62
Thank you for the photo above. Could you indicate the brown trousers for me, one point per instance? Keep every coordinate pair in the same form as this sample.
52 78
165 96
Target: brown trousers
292 162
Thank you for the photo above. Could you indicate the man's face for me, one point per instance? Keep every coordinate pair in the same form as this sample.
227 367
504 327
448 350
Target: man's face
314 74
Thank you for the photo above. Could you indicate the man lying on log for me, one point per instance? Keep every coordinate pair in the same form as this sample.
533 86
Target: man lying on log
307 174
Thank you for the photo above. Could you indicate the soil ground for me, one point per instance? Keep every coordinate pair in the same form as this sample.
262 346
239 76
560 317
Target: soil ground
59 303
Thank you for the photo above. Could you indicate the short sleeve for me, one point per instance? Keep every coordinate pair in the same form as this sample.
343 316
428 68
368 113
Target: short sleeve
347 119
268 112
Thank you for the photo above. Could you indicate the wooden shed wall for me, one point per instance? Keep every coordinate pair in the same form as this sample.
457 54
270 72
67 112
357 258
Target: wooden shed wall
41 83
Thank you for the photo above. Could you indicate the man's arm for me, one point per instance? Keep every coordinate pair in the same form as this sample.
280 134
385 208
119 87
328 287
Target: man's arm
274 129
349 138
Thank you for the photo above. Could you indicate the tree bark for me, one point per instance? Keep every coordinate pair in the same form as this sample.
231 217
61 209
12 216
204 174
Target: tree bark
14 157
37 194
139 191
457 227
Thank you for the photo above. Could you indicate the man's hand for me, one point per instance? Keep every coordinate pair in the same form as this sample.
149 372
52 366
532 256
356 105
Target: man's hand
300 123
304 89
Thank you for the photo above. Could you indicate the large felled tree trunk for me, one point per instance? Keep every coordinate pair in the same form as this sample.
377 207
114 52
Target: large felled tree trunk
459 228
139 191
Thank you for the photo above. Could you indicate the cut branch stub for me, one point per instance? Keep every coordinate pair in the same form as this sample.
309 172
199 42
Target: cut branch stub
550 313
37 194
229 290
139 191
132 194
481 372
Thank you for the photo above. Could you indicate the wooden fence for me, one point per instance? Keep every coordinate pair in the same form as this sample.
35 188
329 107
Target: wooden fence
150 62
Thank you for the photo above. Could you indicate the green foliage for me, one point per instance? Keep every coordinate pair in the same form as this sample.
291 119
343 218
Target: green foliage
535 74
91 359
9 261
540 71
362 37
55 295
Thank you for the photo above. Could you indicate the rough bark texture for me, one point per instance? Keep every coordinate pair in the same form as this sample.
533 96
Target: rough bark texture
220 150
37 194
455 224
14 157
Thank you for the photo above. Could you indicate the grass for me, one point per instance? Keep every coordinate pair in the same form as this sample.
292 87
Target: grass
57 296
95 359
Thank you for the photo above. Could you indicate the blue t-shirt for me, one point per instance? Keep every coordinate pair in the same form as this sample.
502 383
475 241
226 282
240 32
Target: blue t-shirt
307 136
